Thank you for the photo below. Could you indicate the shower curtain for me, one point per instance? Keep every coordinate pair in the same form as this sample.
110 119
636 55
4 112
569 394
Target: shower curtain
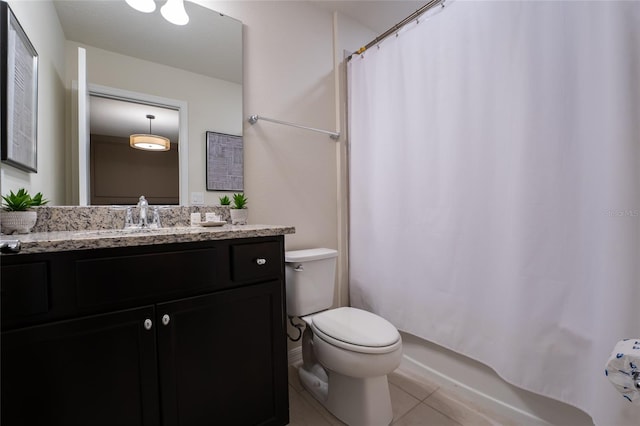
495 189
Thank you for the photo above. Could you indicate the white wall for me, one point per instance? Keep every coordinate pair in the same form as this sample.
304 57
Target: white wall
43 29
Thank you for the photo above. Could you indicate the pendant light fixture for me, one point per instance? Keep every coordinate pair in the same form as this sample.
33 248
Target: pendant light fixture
149 142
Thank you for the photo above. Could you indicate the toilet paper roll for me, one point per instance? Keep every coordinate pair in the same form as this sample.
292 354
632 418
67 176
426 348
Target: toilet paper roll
623 369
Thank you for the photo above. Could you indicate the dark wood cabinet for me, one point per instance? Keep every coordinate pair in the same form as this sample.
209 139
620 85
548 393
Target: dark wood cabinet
97 370
193 341
221 353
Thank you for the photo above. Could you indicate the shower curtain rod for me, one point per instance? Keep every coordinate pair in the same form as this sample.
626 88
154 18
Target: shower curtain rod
415 15
254 119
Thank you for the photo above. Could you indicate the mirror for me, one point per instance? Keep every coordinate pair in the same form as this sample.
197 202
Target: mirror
199 64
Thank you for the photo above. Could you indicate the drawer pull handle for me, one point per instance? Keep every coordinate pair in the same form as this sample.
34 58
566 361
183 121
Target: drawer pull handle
148 324
261 261
165 319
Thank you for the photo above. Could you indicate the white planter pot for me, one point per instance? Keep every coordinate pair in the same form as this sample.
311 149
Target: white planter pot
18 222
239 216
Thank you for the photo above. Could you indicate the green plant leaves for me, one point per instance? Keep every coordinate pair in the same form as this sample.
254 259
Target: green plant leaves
21 201
239 201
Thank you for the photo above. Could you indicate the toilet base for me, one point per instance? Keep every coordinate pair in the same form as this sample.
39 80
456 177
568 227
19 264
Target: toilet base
355 401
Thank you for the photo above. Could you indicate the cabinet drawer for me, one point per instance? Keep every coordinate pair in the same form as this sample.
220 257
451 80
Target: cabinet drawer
25 289
256 261
145 277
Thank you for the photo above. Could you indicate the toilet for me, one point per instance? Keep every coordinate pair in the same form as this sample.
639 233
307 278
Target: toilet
346 352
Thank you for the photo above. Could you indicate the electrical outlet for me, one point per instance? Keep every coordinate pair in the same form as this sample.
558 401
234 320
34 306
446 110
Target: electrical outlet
197 198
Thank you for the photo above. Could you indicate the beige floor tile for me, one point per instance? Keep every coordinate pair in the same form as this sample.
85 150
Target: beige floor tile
401 401
416 386
301 413
326 415
423 415
461 410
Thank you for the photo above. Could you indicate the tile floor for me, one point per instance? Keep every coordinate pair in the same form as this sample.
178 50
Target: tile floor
415 401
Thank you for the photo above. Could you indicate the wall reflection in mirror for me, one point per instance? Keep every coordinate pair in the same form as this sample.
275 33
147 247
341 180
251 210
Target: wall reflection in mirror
198 65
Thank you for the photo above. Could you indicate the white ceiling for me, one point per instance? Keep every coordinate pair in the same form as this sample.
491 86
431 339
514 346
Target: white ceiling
120 118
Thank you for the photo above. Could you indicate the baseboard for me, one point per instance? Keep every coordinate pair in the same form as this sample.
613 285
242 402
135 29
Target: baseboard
295 355
521 417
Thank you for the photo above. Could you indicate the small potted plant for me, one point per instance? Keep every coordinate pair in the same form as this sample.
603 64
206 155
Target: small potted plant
224 201
17 214
239 212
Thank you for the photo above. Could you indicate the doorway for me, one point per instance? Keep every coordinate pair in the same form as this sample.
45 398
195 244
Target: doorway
109 138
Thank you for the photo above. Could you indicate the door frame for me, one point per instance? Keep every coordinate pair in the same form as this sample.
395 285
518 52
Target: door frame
144 98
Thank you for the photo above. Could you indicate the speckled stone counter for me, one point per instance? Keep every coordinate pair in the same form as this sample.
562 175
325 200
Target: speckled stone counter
75 218
85 228
92 239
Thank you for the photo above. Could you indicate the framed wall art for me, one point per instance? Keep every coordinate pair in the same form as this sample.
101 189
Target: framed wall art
19 94
225 165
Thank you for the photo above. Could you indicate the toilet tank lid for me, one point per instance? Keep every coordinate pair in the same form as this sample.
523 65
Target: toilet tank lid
309 254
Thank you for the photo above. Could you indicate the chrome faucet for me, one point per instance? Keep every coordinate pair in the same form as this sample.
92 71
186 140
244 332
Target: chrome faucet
143 215
155 222
128 218
143 205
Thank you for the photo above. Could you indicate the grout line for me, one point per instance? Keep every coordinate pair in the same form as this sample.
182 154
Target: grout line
431 394
405 414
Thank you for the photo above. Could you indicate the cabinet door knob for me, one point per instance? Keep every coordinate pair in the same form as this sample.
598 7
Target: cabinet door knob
165 319
148 324
261 261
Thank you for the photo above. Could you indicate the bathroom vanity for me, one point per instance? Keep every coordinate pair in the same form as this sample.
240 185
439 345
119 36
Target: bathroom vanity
158 329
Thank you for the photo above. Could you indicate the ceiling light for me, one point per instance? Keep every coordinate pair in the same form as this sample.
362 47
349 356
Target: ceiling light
146 6
149 142
173 11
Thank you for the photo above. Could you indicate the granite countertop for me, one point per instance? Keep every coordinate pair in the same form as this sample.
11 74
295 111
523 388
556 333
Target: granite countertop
41 242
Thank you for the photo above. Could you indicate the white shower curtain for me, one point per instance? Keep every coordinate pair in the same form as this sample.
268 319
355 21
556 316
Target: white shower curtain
495 189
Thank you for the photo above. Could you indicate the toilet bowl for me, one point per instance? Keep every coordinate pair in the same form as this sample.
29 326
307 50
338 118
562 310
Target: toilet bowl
347 352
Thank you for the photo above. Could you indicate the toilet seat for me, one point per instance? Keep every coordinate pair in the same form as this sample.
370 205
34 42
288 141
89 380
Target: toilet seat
356 330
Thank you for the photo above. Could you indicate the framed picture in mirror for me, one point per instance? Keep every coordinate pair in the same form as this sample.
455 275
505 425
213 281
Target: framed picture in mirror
225 164
19 94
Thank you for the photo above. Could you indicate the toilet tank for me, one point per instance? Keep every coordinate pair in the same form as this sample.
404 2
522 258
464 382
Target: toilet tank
310 276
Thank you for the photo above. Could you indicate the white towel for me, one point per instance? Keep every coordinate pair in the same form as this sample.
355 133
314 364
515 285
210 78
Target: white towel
623 369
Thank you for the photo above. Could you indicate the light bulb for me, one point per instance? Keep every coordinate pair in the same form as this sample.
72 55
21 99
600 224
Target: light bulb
146 6
173 11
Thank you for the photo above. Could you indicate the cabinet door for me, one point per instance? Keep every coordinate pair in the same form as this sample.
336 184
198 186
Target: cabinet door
223 358
98 370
